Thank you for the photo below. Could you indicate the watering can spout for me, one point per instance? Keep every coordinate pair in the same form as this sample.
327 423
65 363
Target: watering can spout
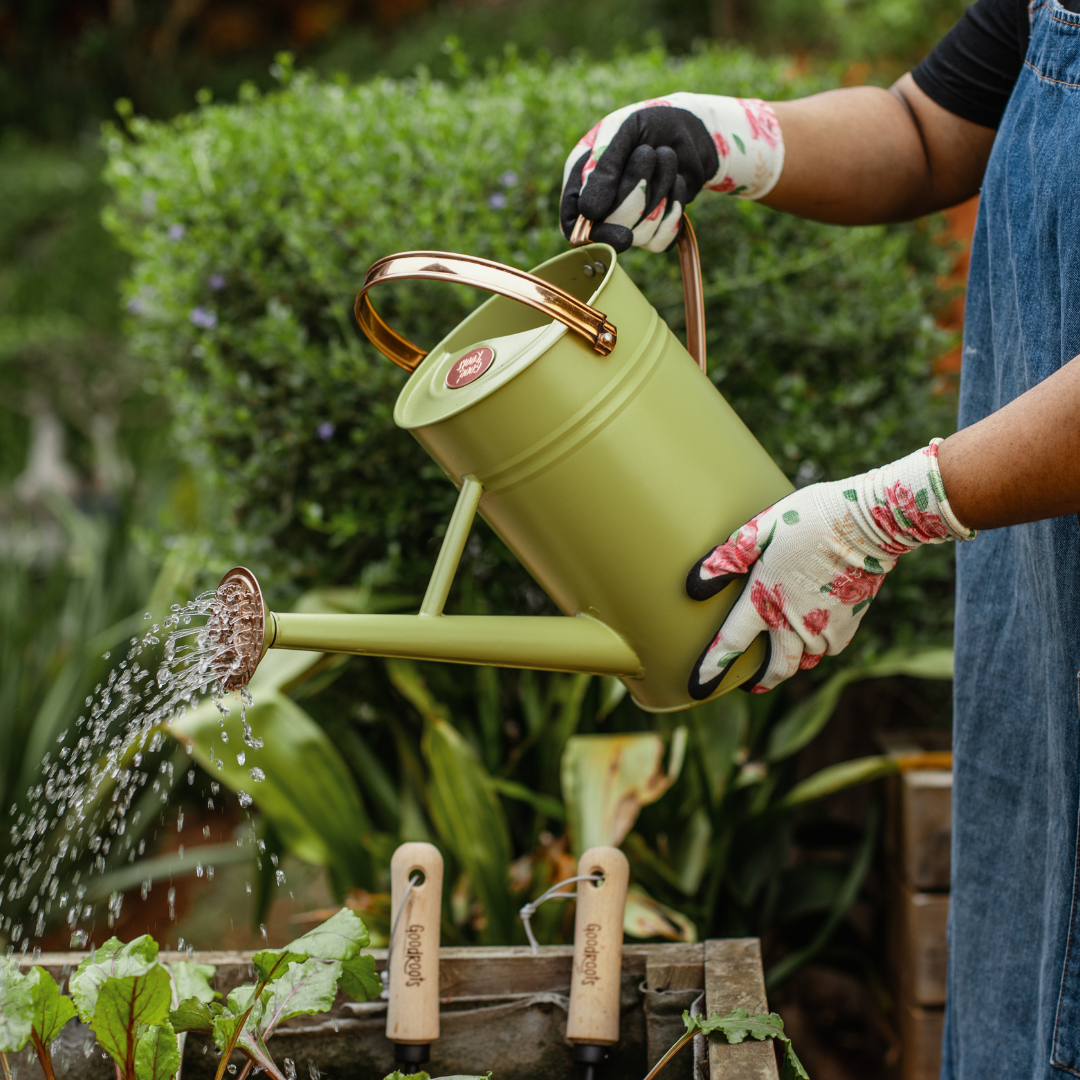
544 643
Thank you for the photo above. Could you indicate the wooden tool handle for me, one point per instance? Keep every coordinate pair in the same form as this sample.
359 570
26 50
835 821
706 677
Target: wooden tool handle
598 934
412 1015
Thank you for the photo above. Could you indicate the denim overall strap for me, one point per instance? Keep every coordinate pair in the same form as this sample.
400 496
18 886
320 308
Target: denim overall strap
1014 968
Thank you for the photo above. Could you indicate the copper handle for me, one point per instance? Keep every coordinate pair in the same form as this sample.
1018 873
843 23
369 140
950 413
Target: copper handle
693 293
554 302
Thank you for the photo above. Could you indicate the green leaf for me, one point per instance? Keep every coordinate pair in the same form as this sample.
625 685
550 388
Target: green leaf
307 793
837 777
607 779
16 1006
157 1055
113 959
462 804
191 980
719 728
359 980
124 1004
644 917
341 937
51 1009
739 1025
270 963
791 1068
813 712
544 804
304 989
195 1015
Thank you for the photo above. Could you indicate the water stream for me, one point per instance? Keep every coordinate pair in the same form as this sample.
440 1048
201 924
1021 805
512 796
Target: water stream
78 809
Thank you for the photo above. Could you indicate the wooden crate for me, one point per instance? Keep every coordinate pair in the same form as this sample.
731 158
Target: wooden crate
920 1034
918 831
501 1009
918 949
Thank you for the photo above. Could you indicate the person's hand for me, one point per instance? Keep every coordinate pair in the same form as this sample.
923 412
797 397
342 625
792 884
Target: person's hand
815 560
636 170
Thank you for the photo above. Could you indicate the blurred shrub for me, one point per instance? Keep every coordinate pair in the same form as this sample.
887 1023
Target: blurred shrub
251 226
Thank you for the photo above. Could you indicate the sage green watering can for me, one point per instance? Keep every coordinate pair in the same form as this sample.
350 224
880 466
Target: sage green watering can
572 419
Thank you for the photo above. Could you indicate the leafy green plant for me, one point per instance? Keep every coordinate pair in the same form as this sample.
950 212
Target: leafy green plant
736 1027
300 979
32 1009
140 1008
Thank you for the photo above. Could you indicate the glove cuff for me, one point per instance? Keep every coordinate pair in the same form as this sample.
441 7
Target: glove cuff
960 531
749 142
904 503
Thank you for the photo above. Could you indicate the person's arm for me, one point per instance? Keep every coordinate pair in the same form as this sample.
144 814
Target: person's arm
1021 463
864 155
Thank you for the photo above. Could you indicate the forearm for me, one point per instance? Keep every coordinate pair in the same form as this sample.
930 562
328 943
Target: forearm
1021 463
864 155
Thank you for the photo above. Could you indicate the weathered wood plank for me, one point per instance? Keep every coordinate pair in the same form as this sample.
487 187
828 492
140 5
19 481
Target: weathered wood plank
677 967
734 978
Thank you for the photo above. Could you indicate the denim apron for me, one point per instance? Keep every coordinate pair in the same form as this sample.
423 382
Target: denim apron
1014 968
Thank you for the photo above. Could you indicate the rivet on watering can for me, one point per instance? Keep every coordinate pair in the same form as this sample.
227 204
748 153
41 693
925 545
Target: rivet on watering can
600 268
607 339
588 268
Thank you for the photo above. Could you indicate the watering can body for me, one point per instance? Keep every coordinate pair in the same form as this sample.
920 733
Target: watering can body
608 477
596 449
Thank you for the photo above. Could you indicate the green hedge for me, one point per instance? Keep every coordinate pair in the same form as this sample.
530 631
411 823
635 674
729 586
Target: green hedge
251 226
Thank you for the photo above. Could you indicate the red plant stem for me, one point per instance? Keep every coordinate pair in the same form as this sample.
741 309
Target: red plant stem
44 1056
248 1065
6 1065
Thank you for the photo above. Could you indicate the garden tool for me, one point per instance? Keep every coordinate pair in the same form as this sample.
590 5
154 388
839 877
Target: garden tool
596 978
412 961
595 447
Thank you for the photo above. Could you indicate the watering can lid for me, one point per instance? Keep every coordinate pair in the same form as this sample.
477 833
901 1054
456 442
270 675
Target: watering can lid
497 341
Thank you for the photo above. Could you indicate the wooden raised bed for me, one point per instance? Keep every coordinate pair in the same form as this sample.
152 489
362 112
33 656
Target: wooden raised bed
502 1009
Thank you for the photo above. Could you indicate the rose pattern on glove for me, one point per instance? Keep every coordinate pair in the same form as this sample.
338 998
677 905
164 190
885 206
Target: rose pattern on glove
823 558
635 171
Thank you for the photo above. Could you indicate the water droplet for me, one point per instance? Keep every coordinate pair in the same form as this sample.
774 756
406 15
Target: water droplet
105 655
241 758
245 799
279 877
256 774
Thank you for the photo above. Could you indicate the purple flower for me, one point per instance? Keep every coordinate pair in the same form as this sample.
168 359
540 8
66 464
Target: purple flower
203 318
325 431
176 232
508 178
217 282
497 201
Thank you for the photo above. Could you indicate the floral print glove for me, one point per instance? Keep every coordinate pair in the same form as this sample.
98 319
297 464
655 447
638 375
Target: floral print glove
814 562
635 170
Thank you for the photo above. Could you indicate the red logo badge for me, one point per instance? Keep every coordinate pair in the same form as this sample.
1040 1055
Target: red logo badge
470 367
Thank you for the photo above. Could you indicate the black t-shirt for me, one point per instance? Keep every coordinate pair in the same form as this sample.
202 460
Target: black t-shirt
972 70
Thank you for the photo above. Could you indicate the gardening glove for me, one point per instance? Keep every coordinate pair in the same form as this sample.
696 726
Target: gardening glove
637 169
814 562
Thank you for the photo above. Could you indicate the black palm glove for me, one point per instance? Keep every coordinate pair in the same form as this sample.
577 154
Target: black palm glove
636 170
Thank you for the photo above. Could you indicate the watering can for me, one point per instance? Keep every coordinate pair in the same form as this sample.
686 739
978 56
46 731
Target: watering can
571 418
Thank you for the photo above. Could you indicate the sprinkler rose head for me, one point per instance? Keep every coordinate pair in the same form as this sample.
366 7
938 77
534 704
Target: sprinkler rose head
244 618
